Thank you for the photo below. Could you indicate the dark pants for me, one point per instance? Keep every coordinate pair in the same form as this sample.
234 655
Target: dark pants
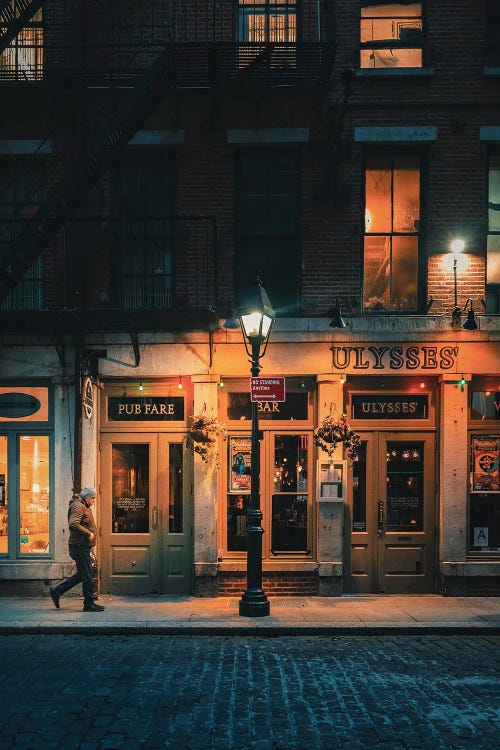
81 556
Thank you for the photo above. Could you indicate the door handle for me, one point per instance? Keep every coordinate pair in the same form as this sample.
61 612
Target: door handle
380 518
155 517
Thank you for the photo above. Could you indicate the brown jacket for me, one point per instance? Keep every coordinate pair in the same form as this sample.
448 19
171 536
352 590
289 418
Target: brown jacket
81 524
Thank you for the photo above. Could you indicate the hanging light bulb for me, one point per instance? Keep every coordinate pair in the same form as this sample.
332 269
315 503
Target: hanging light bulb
422 383
221 383
179 384
462 382
342 379
141 387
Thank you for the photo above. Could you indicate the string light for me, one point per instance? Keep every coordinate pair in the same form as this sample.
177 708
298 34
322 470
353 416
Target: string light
179 385
221 383
462 382
141 387
342 379
422 383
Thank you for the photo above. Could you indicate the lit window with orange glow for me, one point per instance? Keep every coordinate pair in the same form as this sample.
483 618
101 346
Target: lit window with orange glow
22 60
391 239
267 21
390 35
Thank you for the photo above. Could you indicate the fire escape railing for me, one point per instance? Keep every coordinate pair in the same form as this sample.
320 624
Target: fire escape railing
13 18
70 190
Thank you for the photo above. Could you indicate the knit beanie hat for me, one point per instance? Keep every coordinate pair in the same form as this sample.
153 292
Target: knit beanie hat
88 492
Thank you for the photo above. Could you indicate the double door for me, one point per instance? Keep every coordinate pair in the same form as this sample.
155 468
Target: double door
390 524
145 515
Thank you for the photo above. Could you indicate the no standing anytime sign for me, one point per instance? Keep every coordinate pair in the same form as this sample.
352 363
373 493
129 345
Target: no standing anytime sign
267 389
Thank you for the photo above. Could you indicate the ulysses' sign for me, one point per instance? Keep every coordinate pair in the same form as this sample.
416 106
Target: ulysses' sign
394 357
388 406
146 408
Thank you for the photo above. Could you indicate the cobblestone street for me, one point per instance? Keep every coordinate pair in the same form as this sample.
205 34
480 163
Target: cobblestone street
311 693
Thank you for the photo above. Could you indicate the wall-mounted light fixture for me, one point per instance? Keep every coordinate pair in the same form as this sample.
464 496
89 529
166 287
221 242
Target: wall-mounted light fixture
457 261
337 321
471 322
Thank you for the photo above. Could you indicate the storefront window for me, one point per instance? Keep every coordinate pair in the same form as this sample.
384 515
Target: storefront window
289 501
175 503
359 491
33 494
484 526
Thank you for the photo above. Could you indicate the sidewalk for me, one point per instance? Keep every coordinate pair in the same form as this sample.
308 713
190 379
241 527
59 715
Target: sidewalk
187 615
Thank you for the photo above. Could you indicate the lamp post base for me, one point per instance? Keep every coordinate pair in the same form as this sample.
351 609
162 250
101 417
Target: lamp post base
254 604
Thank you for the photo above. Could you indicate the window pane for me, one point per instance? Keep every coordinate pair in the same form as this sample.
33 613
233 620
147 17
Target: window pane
359 491
377 259
34 494
406 195
289 508
175 501
237 506
130 488
404 273
388 33
4 500
378 199
494 195
405 486
493 260
485 522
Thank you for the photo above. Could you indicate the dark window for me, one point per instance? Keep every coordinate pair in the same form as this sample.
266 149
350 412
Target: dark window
143 195
268 225
493 33
493 240
391 35
391 240
22 187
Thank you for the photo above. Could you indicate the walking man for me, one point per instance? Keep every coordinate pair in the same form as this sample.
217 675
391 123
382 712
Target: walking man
82 537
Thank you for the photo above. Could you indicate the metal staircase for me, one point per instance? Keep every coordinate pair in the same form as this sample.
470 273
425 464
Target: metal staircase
70 190
13 17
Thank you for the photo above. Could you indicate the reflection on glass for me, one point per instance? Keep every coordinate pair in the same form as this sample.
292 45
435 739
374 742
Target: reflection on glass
484 522
237 506
405 486
33 494
290 498
4 518
359 491
130 488
175 504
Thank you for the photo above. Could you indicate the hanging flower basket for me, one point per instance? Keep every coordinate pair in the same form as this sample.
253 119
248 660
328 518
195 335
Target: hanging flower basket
203 436
334 430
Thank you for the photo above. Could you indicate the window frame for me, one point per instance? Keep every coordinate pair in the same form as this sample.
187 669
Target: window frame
389 153
396 43
265 8
15 72
492 288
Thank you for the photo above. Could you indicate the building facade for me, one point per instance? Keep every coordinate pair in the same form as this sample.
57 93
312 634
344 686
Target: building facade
153 159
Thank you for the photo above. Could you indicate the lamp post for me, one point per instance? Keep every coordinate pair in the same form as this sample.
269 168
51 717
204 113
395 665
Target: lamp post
456 247
256 317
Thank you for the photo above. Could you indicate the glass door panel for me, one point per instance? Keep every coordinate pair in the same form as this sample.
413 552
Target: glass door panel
290 494
33 494
130 488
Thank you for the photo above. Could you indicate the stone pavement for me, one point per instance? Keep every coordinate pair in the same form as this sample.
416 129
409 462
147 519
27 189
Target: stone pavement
186 615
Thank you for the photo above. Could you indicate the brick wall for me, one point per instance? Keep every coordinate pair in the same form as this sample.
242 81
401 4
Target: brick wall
274 584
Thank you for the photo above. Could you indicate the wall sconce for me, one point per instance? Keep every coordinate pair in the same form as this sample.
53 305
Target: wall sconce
471 322
337 321
232 321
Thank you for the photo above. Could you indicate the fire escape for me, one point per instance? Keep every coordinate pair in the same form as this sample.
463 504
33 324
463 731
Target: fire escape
162 68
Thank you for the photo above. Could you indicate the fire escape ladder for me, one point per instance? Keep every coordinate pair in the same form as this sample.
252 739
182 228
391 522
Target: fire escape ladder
13 18
70 190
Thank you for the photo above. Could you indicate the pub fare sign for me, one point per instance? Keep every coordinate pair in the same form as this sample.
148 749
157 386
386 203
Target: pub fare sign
146 408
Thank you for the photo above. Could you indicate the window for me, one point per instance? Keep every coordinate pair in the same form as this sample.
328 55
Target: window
492 33
268 224
391 35
144 238
21 192
267 21
493 239
391 239
23 58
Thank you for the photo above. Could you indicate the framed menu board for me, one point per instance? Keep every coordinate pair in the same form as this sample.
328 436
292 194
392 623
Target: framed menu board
331 480
485 457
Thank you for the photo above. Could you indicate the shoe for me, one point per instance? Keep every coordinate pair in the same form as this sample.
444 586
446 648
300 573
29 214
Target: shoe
55 598
93 607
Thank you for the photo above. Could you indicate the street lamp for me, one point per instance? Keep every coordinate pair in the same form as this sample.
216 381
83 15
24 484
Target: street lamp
457 247
256 317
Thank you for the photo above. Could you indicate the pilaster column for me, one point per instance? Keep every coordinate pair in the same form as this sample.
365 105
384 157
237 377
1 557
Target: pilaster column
205 496
330 515
452 476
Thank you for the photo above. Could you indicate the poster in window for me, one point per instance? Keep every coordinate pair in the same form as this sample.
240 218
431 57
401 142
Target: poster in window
485 460
240 451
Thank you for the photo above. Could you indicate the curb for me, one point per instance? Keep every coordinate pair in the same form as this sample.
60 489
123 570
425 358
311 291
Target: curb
255 631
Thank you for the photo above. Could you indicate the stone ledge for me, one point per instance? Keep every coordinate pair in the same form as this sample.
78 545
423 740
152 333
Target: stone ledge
471 568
